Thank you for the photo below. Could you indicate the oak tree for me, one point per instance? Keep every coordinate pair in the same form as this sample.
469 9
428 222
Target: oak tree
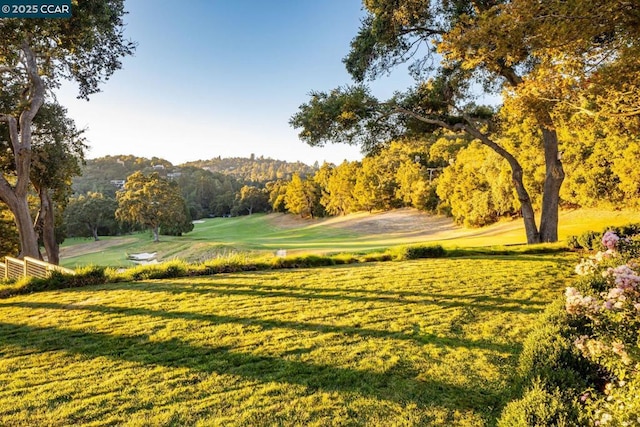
251 199
303 197
35 56
86 215
151 201
537 55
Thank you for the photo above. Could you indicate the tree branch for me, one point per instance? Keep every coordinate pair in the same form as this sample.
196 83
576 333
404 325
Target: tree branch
458 127
36 99
467 128
423 31
13 130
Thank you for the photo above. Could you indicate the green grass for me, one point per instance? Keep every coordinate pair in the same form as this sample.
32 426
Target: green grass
257 233
429 342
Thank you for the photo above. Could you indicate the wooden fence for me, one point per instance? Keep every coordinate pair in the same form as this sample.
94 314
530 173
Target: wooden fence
14 268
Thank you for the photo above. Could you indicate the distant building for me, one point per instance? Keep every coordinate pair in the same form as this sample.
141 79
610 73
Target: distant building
158 167
174 175
118 183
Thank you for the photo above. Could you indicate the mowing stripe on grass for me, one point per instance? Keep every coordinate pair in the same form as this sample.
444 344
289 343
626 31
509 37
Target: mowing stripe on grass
428 342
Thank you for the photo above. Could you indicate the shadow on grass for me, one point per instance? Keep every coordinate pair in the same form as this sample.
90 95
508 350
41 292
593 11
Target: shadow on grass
416 336
483 302
398 385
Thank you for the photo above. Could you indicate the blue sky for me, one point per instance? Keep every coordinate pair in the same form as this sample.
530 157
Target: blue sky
222 78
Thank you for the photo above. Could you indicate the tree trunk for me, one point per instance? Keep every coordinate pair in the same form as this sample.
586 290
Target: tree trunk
28 237
528 216
156 233
48 227
552 184
94 233
15 196
26 232
530 228
554 173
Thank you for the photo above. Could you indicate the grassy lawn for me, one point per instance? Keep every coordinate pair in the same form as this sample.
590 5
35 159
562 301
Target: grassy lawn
430 342
219 236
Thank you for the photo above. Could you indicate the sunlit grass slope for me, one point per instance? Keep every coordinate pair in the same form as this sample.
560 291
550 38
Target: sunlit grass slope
431 342
258 232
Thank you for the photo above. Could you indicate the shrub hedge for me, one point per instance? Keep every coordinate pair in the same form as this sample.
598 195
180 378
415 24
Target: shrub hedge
92 275
565 382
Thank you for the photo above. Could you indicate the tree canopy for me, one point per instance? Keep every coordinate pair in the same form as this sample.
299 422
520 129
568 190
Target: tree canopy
35 56
535 54
152 201
86 215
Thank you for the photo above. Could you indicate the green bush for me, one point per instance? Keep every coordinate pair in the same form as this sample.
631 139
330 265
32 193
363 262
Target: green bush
420 251
589 240
165 270
377 257
230 264
549 354
345 259
592 240
85 276
304 261
572 242
539 408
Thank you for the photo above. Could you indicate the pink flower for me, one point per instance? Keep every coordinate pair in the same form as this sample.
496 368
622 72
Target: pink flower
615 293
599 256
610 240
576 303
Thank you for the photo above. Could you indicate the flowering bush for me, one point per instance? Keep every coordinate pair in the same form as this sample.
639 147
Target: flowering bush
604 308
610 240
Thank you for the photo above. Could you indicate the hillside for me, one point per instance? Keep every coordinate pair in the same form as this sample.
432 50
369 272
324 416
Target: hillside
98 175
255 170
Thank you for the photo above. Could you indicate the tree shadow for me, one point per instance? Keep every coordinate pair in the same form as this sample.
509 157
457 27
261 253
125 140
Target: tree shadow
397 385
417 336
482 302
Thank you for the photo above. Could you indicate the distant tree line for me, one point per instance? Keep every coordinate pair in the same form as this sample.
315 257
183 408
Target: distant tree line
461 178
254 170
446 174
96 207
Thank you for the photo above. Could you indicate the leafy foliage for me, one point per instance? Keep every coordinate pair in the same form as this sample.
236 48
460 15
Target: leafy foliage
152 202
9 242
549 72
251 199
303 197
88 215
35 56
